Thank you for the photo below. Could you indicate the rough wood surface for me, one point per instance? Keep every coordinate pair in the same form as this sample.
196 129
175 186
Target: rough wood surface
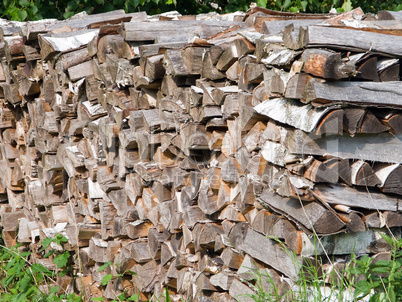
351 39
380 147
172 146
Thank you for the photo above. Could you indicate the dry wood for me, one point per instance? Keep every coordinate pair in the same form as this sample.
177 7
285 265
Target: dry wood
179 154
310 215
277 258
149 31
292 113
351 39
389 176
356 198
354 93
52 44
325 64
295 86
389 15
363 175
380 147
276 26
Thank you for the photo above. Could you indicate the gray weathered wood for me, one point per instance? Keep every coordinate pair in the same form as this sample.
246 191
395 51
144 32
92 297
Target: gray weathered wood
293 113
55 43
382 147
343 244
311 215
385 94
276 27
177 31
269 252
389 15
357 197
353 40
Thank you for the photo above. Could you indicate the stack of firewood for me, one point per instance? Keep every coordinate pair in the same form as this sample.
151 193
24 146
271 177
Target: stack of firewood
176 146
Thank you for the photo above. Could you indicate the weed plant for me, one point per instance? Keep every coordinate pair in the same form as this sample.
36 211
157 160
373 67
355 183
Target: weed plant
364 279
22 280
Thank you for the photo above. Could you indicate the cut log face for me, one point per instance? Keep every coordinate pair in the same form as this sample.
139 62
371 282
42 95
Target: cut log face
324 64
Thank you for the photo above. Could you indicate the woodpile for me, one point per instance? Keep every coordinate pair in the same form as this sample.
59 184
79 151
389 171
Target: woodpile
176 146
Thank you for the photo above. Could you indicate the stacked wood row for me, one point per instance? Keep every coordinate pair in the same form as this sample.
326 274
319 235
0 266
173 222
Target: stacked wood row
176 147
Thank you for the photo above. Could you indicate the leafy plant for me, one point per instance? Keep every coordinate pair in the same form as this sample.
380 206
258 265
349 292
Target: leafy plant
22 280
381 279
109 277
61 259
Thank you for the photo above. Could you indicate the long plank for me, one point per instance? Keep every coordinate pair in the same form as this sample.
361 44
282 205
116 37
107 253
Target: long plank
385 94
32 29
382 147
183 30
357 197
353 40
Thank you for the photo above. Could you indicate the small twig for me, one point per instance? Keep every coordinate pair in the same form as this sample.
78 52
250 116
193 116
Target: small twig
385 289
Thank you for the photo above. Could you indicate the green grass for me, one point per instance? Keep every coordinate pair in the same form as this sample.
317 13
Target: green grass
363 279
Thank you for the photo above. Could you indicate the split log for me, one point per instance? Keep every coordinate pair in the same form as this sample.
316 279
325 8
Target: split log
388 70
310 215
357 93
363 175
380 147
356 198
269 252
394 122
390 177
51 44
292 113
276 26
145 275
325 64
150 31
350 39
344 244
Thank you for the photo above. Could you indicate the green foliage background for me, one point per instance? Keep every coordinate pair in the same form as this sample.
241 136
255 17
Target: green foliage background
24 10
